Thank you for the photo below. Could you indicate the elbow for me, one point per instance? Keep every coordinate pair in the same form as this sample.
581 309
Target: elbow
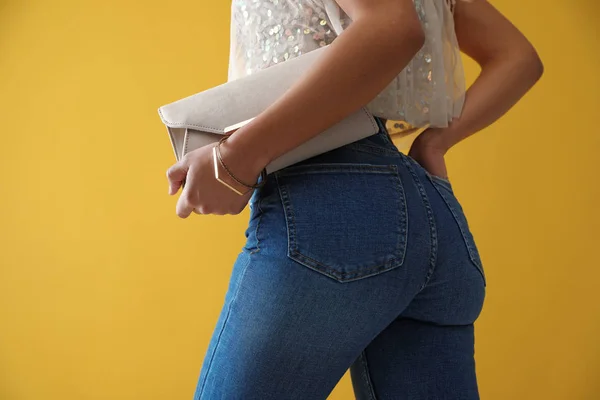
530 63
536 65
522 59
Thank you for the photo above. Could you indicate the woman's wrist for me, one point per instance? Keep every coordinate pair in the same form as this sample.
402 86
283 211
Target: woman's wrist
244 160
436 139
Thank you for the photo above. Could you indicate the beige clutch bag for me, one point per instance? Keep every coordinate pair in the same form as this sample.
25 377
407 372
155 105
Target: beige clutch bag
203 118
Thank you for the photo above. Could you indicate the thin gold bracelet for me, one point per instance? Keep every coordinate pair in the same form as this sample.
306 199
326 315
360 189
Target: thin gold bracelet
217 155
217 174
263 173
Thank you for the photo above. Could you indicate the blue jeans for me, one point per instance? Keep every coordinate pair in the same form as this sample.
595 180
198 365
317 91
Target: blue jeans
355 259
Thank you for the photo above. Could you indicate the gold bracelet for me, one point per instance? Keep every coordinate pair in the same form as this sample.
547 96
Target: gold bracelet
263 173
217 154
217 174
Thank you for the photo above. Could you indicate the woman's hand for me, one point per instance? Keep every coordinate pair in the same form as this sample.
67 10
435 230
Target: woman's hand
202 193
429 150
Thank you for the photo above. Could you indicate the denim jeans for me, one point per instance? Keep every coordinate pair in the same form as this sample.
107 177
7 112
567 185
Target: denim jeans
357 259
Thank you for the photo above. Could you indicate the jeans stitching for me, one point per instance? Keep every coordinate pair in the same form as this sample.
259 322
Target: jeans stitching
367 376
260 215
303 259
345 276
403 238
372 149
443 181
318 266
430 175
212 356
473 253
324 168
431 220
286 209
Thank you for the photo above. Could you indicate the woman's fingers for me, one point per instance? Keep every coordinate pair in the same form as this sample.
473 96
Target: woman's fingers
201 193
189 196
176 175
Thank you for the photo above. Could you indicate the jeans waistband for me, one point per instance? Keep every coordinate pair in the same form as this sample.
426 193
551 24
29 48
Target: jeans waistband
382 138
380 123
383 132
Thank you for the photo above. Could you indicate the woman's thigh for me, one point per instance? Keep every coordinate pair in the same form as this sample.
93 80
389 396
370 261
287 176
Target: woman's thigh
416 360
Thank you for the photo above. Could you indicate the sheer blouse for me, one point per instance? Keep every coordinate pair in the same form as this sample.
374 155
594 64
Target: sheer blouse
429 91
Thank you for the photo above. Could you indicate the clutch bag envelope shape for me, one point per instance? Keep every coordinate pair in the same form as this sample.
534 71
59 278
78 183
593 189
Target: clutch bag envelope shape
203 118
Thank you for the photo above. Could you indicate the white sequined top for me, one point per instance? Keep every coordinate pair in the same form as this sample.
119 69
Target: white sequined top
429 91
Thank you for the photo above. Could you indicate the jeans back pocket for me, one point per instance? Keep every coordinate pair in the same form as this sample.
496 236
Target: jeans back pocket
347 221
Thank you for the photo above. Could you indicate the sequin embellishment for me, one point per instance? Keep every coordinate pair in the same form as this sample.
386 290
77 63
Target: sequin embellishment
430 89
277 30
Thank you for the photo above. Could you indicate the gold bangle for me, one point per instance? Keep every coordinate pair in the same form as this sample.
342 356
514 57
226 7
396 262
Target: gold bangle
217 174
263 173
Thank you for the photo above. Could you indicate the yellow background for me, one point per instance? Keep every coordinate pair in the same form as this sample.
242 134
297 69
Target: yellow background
106 294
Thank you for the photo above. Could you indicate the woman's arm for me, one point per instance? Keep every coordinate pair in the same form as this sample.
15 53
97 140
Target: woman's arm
383 37
509 64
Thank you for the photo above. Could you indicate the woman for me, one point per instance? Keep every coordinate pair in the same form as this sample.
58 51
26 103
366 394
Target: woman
360 257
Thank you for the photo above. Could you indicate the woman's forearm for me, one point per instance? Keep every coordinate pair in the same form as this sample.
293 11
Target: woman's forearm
509 64
498 87
357 66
